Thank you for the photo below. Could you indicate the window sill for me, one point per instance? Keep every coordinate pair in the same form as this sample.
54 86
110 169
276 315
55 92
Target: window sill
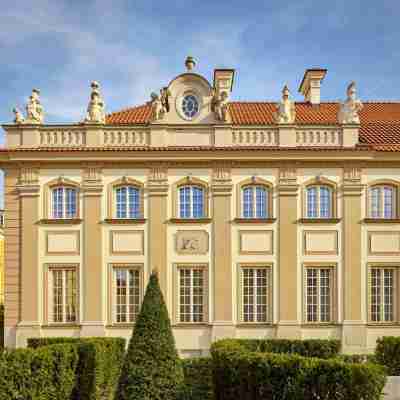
61 326
190 220
320 325
121 221
60 221
319 220
192 325
383 324
121 325
381 220
255 325
254 220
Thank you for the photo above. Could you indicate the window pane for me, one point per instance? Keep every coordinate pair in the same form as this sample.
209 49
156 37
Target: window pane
261 202
388 279
70 203
64 295
255 292
134 202
375 201
325 295
312 202
388 202
191 295
198 202
325 202
312 294
248 207
184 202
58 202
375 295
121 202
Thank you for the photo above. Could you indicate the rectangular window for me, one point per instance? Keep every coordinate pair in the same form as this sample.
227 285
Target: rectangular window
382 294
126 294
62 294
255 294
318 294
312 202
192 294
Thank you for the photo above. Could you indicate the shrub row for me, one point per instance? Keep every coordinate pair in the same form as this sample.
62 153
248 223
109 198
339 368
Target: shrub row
99 364
1 327
197 379
242 374
321 348
46 373
387 353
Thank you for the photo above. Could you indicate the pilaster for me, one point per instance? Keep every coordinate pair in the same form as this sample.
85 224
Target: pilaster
288 324
29 190
157 188
354 330
93 317
221 190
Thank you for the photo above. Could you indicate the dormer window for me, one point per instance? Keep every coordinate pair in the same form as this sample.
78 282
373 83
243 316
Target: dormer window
190 106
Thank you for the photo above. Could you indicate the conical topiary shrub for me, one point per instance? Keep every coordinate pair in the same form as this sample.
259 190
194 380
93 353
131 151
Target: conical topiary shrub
152 369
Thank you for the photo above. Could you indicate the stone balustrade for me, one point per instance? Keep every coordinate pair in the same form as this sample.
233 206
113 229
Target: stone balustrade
82 135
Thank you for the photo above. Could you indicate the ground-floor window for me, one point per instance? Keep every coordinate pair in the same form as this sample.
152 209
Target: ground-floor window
126 287
192 304
63 289
255 294
382 294
319 294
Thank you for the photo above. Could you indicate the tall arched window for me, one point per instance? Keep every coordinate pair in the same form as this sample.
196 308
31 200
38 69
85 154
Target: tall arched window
128 202
64 202
319 201
191 201
255 201
382 201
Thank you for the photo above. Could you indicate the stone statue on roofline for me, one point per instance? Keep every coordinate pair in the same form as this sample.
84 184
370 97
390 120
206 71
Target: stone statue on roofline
349 110
96 108
18 117
286 112
220 105
34 110
159 104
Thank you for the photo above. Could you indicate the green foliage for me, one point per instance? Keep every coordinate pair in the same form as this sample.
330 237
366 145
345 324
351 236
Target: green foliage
243 374
321 348
1 326
387 353
357 358
197 379
99 366
151 370
46 373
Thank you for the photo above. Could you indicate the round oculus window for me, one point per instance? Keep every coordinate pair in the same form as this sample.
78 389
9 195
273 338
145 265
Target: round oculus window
190 106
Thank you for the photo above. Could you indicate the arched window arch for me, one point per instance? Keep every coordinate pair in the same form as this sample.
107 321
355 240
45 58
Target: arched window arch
62 199
320 199
191 198
126 199
255 199
383 200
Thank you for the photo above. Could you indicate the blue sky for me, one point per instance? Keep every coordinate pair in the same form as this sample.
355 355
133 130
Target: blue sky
134 47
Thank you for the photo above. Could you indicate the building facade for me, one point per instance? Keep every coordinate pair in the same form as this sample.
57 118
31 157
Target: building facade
268 219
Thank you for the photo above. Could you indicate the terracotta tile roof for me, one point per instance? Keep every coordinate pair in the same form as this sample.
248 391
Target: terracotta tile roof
134 115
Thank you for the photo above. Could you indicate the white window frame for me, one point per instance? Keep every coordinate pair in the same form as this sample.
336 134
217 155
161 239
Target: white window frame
382 268
332 297
50 293
191 201
381 201
114 304
127 207
204 271
268 295
64 206
254 200
318 201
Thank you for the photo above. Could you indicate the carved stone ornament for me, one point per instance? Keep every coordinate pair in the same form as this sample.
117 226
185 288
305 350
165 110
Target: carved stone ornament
18 117
349 110
220 105
29 176
92 174
286 112
96 108
352 175
158 173
34 110
191 242
160 104
287 176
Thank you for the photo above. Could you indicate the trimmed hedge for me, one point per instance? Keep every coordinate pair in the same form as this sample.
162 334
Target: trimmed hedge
1 326
387 353
99 366
242 374
45 373
321 348
197 379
